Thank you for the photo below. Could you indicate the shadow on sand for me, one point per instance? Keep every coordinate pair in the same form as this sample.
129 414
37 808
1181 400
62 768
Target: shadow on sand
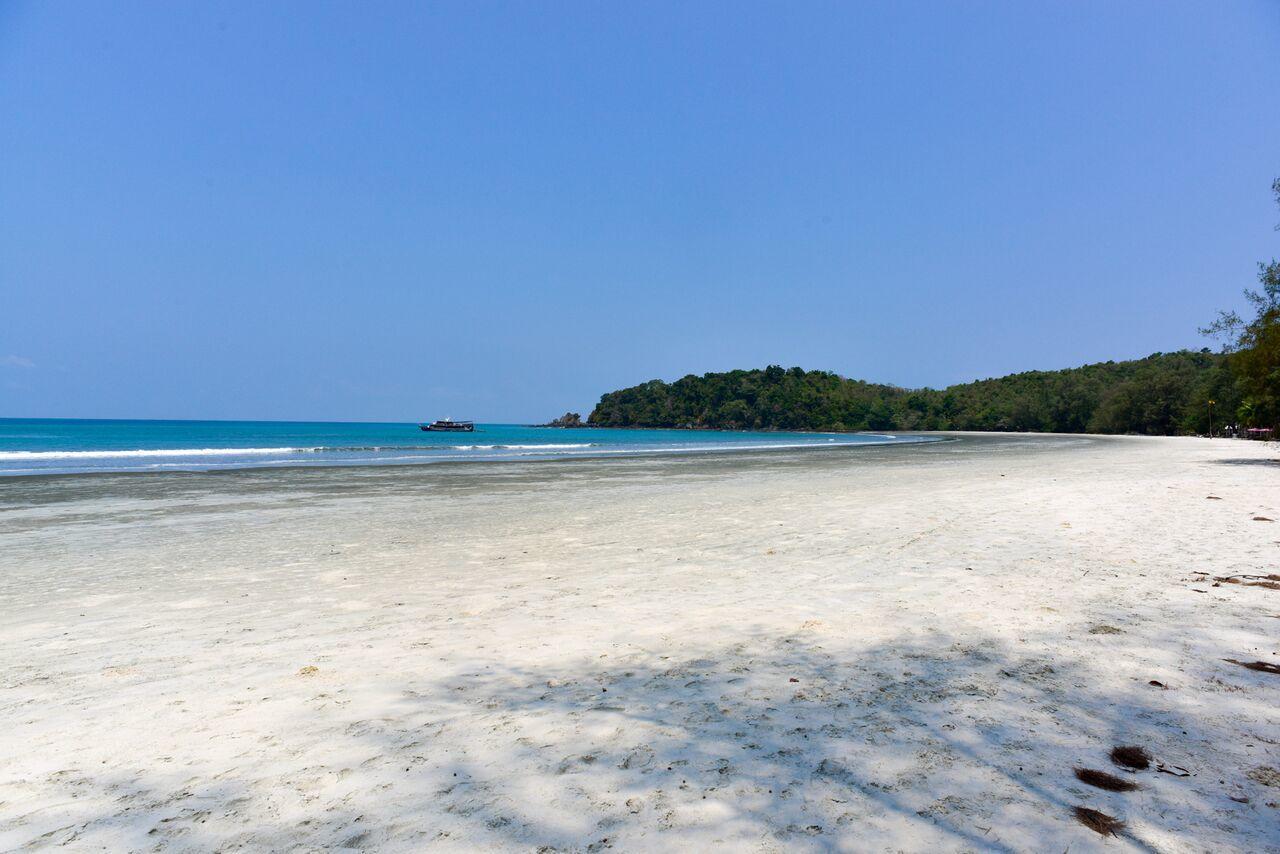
805 741
1248 461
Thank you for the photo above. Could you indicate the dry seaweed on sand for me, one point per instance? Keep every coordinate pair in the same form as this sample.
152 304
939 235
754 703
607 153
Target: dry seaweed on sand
1099 822
1103 780
1260 666
1175 770
1132 757
1265 775
1271 582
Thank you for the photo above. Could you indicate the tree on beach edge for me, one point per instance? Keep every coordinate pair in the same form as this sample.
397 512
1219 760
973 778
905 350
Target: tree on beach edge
1252 346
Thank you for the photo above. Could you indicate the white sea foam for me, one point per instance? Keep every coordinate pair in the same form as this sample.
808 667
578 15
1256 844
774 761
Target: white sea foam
16 456
208 458
148 452
546 447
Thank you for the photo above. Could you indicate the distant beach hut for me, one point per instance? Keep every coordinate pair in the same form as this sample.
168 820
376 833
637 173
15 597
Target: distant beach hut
1259 432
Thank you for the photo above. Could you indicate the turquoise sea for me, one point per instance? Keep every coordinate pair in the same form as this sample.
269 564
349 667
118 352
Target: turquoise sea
61 446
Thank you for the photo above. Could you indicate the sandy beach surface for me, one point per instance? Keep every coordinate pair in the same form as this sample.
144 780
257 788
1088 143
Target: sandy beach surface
877 649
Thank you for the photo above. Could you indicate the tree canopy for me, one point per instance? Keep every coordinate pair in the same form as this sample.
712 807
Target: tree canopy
1166 393
1163 394
1253 346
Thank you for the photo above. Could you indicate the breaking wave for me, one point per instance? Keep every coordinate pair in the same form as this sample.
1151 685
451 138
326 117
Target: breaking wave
16 456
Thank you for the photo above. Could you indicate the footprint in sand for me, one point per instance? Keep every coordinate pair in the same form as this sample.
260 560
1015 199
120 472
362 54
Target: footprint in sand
641 757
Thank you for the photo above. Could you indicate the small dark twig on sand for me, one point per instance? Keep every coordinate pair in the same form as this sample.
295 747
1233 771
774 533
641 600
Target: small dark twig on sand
1131 757
1099 822
1260 666
1103 780
1175 770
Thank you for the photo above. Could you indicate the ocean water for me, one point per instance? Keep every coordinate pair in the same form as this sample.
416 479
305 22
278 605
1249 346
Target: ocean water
60 446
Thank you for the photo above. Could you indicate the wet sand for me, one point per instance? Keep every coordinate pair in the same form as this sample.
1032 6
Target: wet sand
867 649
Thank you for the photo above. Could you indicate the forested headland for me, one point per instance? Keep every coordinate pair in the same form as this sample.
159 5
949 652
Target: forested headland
1163 394
1166 393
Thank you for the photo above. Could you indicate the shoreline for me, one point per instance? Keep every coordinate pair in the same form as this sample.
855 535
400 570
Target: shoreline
531 455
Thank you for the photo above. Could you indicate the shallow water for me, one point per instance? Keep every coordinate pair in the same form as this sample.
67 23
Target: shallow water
58 446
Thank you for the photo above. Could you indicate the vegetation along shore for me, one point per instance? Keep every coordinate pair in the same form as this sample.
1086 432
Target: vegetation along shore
1165 394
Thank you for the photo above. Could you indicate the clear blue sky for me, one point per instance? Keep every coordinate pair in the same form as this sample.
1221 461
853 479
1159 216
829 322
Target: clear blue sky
499 211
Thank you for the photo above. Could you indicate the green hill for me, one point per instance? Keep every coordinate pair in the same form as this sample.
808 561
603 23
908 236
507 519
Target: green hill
1163 394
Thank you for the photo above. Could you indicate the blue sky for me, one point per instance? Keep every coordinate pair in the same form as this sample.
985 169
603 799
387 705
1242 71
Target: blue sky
500 211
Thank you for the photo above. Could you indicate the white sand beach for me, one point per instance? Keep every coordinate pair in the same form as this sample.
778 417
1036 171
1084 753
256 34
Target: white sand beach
877 649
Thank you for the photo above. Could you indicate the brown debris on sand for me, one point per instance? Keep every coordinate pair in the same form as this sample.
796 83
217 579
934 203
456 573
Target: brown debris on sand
1103 780
1131 757
1262 519
1271 582
1175 770
1265 775
1260 666
1099 822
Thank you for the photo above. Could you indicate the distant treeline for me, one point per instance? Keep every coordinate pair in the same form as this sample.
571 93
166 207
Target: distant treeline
1163 394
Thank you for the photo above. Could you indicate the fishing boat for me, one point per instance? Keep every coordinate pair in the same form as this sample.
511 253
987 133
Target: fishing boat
446 425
